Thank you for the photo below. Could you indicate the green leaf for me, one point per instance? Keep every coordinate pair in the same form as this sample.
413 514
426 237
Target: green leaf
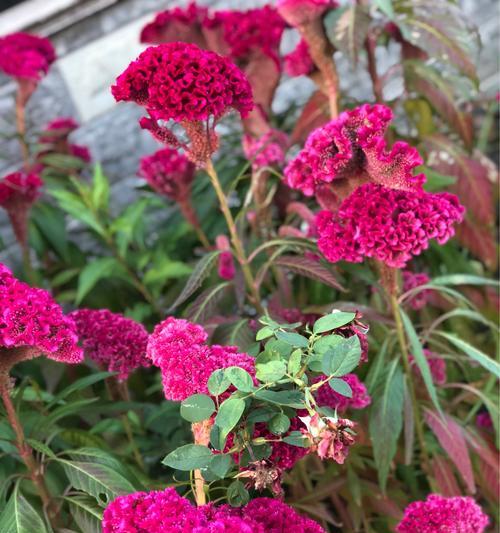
197 408
94 271
386 7
341 386
295 362
477 355
420 359
293 339
41 447
80 384
463 279
332 321
296 438
264 333
221 464
189 457
86 513
50 221
240 378
386 420
237 495
271 371
18 516
279 424
342 358
100 189
229 414
291 398
218 382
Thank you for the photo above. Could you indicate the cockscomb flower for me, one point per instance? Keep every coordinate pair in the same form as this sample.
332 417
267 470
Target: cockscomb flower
389 225
266 151
225 266
113 341
438 514
325 396
484 421
299 62
437 366
351 150
297 12
193 87
413 280
26 56
33 324
177 347
18 192
169 173
58 129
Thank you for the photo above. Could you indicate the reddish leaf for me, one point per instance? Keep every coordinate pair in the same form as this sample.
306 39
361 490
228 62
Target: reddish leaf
445 478
451 437
314 115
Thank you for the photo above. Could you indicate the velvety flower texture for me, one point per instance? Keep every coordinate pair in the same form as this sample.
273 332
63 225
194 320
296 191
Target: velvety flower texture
169 173
31 319
411 281
180 81
299 62
297 12
437 366
389 225
352 147
177 347
26 56
166 511
112 340
266 151
326 397
443 515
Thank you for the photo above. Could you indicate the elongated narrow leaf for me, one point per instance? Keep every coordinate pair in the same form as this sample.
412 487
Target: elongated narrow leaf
445 477
463 279
309 269
18 516
205 304
100 189
80 384
86 513
420 359
94 271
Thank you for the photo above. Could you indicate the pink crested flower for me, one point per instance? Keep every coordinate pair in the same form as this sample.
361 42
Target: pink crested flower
411 281
389 225
438 514
299 62
31 321
437 366
180 82
225 266
484 421
58 129
112 340
26 56
55 140
351 150
325 396
18 192
169 173
266 151
298 12
178 348
80 152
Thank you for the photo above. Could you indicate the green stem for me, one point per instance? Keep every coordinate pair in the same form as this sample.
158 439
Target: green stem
238 246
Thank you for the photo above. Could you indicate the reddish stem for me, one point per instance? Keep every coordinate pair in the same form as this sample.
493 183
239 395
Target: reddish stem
370 46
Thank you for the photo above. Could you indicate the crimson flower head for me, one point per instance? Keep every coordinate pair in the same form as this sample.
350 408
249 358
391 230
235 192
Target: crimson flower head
325 396
299 62
112 340
351 150
457 514
413 280
389 225
26 56
267 150
193 87
57 129
169 173
225 262
437 366
298 12
33 324
18 192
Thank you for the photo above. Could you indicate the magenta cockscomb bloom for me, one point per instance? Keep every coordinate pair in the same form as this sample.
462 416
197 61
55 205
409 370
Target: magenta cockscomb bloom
225 265
18 192
58 129
413 280
33 324
266 151
326 397
351 150
297 12
484 421
438 514
55 140
299 62
169 173
389 225
26 56
113 341
177 347
437 366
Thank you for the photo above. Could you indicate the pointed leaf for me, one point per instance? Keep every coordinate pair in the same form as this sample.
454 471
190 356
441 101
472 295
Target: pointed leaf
309 269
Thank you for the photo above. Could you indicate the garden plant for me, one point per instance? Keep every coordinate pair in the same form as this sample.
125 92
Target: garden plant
292 327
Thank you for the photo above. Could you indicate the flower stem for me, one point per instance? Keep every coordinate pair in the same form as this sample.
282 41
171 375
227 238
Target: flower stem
238 246
370 46
21 127
201 433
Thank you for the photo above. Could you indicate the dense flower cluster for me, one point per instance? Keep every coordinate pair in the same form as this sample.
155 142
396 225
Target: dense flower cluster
112 340
297 12
161 511
352 147
26 56
169 173
443 515
325 396
411 281
299 62
389 225
437 366
180 81
31 319
178 348
266 151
